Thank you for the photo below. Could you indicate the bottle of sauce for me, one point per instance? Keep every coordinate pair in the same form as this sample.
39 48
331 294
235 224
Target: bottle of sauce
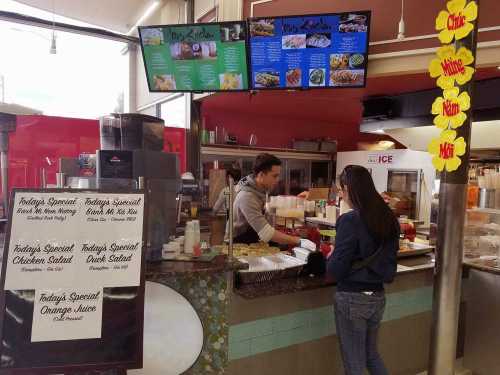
407 228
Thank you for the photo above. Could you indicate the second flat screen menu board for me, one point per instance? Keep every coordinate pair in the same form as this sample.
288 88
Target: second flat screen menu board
197 57
313 51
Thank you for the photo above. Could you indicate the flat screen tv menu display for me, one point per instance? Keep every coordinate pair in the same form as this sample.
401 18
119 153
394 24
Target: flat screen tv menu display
313 51
196 57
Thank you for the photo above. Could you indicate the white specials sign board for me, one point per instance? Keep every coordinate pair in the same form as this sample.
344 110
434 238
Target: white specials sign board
62 240
67 314
64 249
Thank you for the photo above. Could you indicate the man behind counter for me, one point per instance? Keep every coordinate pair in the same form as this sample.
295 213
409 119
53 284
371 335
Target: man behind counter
250 224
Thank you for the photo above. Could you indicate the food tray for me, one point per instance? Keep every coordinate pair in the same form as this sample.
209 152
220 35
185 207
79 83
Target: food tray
268 268
415 250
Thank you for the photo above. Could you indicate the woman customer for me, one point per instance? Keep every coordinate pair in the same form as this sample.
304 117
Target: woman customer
363 260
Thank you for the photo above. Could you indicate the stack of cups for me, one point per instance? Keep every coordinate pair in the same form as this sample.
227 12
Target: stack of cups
197 238
192 238
189 238
331 213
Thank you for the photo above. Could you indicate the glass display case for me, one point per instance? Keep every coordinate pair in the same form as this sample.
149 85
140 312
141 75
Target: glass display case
403 186
482 236
299 172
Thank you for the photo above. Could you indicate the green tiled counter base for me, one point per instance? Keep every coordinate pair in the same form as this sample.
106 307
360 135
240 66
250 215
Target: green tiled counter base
264 335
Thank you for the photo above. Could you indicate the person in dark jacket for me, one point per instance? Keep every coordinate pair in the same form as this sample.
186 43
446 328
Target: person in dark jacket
363 260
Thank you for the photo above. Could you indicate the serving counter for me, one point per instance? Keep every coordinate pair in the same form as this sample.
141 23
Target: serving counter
287 326
207 287
482 336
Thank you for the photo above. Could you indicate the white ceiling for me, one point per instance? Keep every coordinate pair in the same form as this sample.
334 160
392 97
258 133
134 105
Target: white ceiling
116 15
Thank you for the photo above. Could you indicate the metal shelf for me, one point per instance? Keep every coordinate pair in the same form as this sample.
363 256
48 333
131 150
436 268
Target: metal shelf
485 210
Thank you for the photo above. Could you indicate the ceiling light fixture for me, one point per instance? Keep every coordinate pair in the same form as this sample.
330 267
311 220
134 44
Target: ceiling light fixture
145 15
401 26
53 48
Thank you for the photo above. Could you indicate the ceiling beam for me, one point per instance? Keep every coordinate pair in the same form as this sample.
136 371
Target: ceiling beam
90 31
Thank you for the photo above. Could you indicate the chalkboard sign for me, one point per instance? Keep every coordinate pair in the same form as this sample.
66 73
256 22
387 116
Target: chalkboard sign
73 281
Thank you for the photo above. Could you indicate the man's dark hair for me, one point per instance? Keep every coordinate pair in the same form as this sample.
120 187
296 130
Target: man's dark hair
264 163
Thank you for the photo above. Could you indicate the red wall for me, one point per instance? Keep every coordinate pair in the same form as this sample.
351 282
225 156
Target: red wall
39 142
276 118
279 131
175 141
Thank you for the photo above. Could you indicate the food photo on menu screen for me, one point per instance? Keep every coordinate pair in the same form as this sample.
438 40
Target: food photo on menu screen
198 57
315 51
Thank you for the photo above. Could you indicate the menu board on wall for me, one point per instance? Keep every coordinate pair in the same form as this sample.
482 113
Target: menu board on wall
313 51
195 57
72 278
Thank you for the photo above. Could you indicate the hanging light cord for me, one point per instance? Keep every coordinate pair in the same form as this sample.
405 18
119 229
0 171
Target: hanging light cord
401 25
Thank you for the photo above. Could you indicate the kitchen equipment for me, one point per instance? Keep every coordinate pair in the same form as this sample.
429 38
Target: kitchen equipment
487 198
303 145
131 131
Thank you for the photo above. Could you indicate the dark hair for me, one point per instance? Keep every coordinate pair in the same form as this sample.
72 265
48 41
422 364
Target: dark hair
264 163
234 173
375 213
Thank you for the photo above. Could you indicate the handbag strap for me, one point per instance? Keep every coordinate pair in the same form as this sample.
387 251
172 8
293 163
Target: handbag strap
362 263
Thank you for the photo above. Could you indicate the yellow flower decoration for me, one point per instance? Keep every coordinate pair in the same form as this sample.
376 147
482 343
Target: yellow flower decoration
446 151
456 22
450 109
451 65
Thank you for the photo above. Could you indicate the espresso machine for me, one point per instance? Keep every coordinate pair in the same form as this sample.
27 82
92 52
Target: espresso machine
131 157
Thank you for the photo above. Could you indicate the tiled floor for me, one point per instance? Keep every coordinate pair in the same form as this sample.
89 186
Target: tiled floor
458 371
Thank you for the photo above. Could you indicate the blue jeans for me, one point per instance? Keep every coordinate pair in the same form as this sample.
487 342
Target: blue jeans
357 317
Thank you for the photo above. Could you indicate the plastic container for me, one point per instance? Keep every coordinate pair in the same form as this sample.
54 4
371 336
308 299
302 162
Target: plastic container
407 229
169 251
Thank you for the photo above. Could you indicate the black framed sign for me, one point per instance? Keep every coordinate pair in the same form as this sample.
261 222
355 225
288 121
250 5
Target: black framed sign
73 281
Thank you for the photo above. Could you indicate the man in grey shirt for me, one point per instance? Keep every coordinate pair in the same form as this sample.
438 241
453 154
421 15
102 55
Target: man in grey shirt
250 224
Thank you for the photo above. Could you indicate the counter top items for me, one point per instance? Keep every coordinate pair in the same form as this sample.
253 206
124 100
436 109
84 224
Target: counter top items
293 285
192 236
287 206
321 221
221 263
408 249
271 267
490 264
255 249
482 233
170 250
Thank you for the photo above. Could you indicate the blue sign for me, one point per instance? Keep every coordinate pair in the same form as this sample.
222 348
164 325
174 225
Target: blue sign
329 50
